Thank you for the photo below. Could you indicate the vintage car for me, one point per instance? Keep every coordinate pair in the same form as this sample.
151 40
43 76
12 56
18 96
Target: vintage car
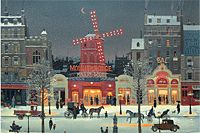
165 125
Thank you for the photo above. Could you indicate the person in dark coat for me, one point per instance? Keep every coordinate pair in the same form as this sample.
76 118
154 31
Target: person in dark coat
178 108
154 103
91 101
61 103
114 101
107 99
106 114
54 126
50 123
159 99
74 112
128 100
164 113
151 113
106 130
57 104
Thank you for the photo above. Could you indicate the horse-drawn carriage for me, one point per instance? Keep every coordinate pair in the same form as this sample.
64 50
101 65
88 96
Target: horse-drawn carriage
73 109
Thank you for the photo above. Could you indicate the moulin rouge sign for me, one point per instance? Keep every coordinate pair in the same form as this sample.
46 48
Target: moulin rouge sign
90 68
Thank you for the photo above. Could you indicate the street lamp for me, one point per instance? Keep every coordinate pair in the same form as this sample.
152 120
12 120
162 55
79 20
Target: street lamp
49 103
190 108
159 115
28 115
120 104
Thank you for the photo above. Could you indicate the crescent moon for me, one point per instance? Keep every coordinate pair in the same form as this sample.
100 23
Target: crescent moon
82 11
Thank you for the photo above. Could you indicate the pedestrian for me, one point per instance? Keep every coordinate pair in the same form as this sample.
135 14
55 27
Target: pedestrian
106 114
154 103
97 100
107 99
159 99
91 101
114 101
54 126
178 108
106 130
166 99
74 112
61 103
128 100
57 104
13 101
50 123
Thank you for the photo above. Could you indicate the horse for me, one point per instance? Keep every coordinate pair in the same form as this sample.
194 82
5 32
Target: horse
96 110
131 115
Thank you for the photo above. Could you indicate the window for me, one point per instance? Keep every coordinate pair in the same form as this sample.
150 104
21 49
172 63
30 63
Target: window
189 75
138 55
6 48
138 44
158 20
167 43
17 48
6 61
184 93
15 61
36 57
158 53
150 20
15 32
189 63
174 53
196 94
168 21
167 53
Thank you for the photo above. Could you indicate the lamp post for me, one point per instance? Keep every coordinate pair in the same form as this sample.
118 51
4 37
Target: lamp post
49 103
28 115
190 107
159 114
120 104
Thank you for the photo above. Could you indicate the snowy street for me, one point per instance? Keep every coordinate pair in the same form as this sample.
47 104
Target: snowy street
188 124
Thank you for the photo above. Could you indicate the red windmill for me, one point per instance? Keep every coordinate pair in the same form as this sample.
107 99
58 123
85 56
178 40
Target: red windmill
92 48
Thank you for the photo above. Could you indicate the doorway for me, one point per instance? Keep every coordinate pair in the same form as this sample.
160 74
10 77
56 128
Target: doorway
163 97
75 96
92 96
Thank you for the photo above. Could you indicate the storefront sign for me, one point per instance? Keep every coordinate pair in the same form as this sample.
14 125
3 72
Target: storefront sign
90 68
161 60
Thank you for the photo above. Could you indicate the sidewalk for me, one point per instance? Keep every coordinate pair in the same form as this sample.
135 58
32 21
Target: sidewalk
111 110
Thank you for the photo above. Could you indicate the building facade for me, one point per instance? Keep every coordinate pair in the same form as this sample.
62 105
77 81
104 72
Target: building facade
190 67
162 38
163 86
19 52
137 50
13 58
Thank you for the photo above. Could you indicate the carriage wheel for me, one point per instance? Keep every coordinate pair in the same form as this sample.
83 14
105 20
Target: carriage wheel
154 128
68 114
20 117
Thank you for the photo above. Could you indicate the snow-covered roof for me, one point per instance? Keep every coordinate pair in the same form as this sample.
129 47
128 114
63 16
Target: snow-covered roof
137 43
191 27
90 35
44 32
162 20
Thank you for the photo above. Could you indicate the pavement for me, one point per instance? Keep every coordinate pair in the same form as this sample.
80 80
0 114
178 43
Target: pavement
184 111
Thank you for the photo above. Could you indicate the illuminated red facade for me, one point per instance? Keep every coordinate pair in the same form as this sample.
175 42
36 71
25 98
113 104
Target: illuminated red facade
92 86
188 88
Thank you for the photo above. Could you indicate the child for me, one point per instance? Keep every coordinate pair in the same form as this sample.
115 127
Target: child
54 126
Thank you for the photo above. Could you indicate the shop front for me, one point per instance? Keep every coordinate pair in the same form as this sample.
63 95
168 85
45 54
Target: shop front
16 90
163 86
124 90
91 92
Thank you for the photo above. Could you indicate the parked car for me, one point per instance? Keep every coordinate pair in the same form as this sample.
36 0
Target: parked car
165 125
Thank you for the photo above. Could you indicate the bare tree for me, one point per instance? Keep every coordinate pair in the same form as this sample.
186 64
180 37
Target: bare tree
139 70
39 79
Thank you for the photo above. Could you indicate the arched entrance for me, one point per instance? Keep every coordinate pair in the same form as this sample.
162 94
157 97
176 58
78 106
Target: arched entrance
163 96
92 96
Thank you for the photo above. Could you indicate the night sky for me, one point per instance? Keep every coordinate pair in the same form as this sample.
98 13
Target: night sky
64 21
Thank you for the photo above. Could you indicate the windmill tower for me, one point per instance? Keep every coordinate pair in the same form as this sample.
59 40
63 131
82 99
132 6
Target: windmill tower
92 57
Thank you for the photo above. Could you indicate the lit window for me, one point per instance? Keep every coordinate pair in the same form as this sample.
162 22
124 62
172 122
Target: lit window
168 43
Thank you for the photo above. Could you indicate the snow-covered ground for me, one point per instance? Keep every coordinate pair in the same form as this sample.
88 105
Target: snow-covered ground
188 124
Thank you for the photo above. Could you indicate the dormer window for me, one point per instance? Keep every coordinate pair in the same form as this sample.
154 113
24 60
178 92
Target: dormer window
5 21
158 20
150 20
168 20
14 21
138 44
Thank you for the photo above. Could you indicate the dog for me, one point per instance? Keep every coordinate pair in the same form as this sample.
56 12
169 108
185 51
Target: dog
173 112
